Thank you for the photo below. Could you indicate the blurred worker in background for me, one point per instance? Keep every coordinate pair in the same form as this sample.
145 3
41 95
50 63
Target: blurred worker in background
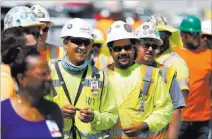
149 42
100 56
207 33
196 114
49 51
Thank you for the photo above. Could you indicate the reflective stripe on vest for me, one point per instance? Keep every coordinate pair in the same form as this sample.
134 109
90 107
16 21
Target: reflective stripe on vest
147 80
86 82
53 55
164 72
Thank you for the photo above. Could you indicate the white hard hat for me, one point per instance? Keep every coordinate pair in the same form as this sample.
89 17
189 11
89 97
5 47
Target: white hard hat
147 30
22 16
98 36
42 14
119 30
77 27
206 27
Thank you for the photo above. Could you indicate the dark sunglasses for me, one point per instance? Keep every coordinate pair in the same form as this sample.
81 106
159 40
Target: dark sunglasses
46 29
79 41
125 47
164 33
194 34
97 45
209 37
154 46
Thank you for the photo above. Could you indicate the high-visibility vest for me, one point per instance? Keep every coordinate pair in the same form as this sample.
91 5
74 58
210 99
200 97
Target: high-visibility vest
168 74
135 99
52 53
86 99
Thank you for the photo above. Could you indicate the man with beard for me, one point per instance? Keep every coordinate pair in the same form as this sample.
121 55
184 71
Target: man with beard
196 114
143 101
149 42
166 55
83 92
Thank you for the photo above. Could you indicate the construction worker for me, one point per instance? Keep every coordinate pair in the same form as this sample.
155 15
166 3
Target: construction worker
49 51
149 42
166 54
207 33
24 16
196 114
143 101
100 56
81 90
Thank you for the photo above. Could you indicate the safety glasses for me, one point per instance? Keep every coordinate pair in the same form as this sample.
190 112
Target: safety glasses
80 41
164 33
35 31
147 45
46 29
119 48
209 37
194 34
97 45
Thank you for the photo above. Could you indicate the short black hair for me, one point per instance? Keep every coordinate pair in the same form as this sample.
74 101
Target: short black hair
11 40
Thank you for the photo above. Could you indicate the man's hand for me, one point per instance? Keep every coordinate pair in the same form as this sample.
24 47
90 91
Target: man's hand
69 111
133 130
86 115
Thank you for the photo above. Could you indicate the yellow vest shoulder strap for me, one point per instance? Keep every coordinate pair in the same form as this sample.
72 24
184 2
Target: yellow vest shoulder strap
148 74
168 75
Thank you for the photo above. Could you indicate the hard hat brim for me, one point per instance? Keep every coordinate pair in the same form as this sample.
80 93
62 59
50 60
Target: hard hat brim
159 41
41 25
49 22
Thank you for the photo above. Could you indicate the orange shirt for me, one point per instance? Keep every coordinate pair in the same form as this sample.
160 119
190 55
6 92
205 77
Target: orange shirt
200 66
7 84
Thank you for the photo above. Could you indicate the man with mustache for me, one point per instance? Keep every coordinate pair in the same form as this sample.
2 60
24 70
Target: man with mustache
166 54
143 101
147 46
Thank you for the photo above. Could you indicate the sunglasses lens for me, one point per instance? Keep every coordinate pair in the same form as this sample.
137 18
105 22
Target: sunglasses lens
119 48
86 42
46 29
97 45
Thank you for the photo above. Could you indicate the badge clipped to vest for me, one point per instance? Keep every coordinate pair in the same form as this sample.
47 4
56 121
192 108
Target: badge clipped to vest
142 103
95 84
53 128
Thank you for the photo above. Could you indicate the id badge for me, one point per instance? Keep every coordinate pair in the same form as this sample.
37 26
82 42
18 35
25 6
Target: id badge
94 87
141 108
53 128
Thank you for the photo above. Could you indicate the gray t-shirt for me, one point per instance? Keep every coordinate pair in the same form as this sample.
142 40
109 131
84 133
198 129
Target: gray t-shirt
176 95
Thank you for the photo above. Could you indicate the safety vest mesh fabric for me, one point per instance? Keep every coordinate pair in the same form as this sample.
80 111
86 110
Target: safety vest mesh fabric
167 74
142 90
86 99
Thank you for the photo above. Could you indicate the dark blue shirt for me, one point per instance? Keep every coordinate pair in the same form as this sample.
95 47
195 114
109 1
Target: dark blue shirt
13 126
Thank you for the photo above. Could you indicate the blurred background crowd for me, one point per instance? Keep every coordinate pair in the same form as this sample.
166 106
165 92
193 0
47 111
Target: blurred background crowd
129 11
